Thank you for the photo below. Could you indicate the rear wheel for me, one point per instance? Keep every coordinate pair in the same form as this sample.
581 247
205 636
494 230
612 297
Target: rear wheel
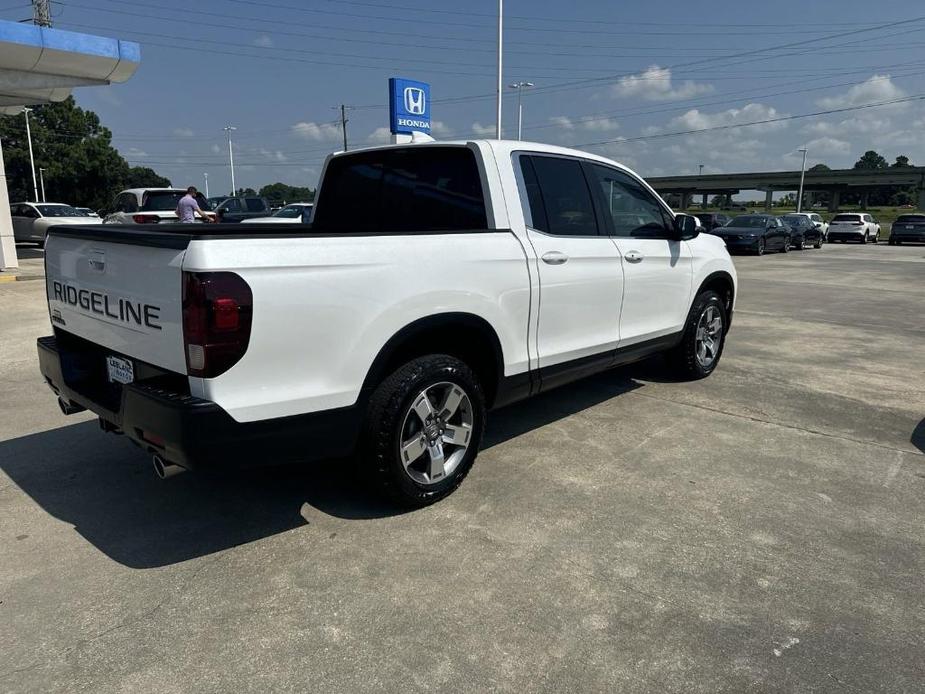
876 238
866 237
423 429
801 244
704 337
786 247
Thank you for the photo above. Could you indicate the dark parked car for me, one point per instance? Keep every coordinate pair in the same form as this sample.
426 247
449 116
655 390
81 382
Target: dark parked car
242 209
711 220
755 232
803 231
908 227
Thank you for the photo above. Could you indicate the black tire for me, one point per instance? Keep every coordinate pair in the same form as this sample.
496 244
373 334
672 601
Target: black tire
818 243
760 250
864 239
898 242
786 247
683 358
801 244
381 437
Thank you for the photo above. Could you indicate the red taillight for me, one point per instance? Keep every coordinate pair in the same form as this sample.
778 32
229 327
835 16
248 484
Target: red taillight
217 309
146 218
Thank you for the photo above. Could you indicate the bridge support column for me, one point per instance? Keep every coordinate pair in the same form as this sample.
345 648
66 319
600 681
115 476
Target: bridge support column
768 200
685 200
728 200
834 200
921 201
865 198
703 202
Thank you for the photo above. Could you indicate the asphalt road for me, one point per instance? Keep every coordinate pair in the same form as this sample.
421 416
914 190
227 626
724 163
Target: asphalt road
762 530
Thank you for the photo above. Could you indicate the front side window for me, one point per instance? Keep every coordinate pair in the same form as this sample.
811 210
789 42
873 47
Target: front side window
58 211
255 205
290 212
635 212
559 196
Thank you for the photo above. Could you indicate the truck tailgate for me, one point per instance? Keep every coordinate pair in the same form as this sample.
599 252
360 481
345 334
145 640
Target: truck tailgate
118 294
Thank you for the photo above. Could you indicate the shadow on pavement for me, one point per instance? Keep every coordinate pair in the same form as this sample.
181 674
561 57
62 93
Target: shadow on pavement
29 251
105 487
918 436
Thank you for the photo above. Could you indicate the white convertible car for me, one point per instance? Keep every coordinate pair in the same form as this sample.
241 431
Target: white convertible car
31 220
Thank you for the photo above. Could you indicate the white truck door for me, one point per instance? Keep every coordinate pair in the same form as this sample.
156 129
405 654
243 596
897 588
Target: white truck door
658 270
579 268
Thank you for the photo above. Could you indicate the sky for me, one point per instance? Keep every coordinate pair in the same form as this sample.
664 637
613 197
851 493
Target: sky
629 80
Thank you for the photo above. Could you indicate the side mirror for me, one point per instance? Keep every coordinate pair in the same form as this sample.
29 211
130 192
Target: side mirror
685 227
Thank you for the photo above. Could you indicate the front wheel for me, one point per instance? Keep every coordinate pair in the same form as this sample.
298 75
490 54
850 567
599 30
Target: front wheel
704 336
423 429
786 247
760 250
818 243
801 244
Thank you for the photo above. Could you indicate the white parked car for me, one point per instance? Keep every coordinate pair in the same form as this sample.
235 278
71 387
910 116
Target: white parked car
31 220
150 206
438 281
854 226
293 213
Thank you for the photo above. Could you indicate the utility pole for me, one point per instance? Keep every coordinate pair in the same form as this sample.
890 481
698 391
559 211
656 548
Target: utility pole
41 13
207 184
35 185
520 86
500 71
229 129
343 121
802 174
42 182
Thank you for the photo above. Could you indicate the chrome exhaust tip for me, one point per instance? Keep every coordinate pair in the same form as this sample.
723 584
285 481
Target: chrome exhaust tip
163 469
69 408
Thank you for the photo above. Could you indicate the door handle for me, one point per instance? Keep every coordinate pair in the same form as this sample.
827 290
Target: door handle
554 258
634 256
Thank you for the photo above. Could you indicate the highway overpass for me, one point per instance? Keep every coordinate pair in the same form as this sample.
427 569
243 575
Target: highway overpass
834 182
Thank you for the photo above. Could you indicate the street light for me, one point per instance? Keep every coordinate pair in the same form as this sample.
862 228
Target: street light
701 169
207 184
228 129
42 182
35 185
500 74
520 86
802 174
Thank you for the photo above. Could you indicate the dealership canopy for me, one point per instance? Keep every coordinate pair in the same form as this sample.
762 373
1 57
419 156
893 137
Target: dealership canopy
39 65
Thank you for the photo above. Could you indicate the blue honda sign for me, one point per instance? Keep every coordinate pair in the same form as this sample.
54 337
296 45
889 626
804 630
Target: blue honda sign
409 106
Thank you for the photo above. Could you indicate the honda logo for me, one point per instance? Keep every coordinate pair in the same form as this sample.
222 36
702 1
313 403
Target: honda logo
415 101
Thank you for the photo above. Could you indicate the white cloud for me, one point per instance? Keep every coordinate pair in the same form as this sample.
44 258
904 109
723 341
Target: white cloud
600 125
699 120
183 132
828 146
655 84
380 136
483 130
563 122
877 88
316 131
275 155
135 152
263 41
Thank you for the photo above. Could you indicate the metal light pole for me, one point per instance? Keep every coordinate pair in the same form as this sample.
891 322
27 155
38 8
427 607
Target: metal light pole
207 184
500 54
35 185
701 169
519 86
42 181
802 175
228 129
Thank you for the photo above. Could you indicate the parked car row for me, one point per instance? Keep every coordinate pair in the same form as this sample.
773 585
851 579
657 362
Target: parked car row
31 220
760 233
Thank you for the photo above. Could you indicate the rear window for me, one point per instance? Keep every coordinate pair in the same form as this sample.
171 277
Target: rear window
166 201
910 219
846 218
410 189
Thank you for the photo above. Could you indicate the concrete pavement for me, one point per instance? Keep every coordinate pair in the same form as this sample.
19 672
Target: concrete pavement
761 530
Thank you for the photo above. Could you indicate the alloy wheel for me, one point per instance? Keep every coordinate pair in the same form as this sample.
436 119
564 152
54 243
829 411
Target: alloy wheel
435 433
709 336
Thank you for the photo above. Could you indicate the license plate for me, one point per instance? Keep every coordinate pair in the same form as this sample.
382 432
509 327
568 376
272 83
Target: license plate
910 228
120 370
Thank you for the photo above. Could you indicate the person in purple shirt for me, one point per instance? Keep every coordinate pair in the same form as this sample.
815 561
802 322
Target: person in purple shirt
188 208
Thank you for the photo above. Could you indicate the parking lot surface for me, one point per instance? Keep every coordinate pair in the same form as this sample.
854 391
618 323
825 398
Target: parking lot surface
761 530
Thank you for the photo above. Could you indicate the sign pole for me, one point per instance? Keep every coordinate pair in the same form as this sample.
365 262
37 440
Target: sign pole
500 71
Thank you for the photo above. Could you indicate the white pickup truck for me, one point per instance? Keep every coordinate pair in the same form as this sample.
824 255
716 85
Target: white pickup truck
437 281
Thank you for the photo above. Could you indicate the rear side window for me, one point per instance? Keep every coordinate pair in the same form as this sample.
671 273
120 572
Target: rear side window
409 189
254 205
161 201
558 195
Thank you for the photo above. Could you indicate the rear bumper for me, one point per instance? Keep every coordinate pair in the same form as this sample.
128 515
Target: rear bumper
845 235
914 236
197 433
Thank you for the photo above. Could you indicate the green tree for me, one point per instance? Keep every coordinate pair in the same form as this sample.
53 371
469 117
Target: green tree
81 165
279 193
871 160
143 177
246 193
902 161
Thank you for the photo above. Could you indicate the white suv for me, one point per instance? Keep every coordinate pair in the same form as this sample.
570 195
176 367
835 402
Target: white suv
150 206
855 226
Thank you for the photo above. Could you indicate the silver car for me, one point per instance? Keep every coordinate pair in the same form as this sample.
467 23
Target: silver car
31 220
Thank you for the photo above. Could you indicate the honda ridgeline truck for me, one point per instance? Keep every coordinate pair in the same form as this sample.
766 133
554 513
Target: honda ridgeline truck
436 282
